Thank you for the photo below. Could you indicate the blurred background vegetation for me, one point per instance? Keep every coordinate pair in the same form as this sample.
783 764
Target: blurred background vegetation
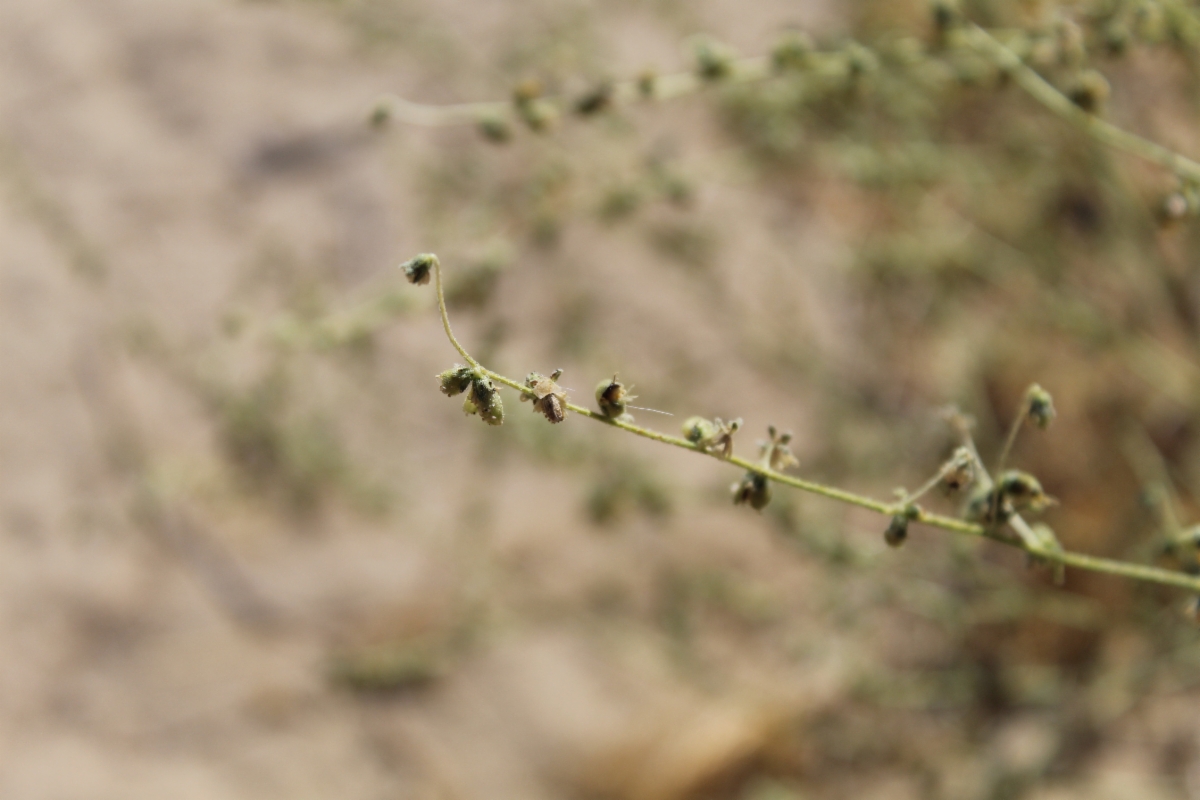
247 550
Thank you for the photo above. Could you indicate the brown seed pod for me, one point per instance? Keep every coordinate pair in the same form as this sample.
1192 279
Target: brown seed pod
897 531
612 397
547 396
753 490
417 269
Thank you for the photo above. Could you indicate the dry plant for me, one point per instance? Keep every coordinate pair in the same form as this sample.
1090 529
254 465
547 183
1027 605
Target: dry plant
1050 64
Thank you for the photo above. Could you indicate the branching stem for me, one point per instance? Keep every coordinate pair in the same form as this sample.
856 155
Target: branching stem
1028 541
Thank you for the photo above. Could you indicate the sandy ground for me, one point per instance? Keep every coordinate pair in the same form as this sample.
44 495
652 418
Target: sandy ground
183 601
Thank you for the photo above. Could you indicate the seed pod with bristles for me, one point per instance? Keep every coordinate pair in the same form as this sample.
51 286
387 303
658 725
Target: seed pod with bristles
612 397
753 490
456 380
417 269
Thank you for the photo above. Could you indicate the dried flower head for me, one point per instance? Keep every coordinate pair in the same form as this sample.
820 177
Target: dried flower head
715 436
1014 491
456 380
776 452
1024 491
959 472
546 395
1040 406
418 268
753 490
484 400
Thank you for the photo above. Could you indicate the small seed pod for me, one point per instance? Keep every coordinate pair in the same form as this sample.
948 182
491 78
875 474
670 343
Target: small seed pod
1089 91
793 53
456 380
714 437
698 430
598 99
714 61
495 129
547 397
484 400
612 397
418 268
1024 491
896 533
1040 406
988 507
753 490
959 472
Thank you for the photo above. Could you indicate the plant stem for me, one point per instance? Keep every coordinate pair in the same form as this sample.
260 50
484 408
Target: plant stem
1100 130
1028 541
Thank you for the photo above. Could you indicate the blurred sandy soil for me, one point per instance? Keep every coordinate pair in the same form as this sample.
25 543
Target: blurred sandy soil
235 564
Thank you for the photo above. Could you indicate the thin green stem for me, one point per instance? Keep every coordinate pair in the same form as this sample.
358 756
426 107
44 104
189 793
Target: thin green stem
1100 130
1028 541
441 297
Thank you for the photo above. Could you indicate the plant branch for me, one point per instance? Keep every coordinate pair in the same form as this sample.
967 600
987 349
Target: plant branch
1100 130
1029 541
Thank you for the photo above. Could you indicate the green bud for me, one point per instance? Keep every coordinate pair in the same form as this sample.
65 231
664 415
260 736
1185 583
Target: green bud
698 429
456 380
417 268
484 400
1041 406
